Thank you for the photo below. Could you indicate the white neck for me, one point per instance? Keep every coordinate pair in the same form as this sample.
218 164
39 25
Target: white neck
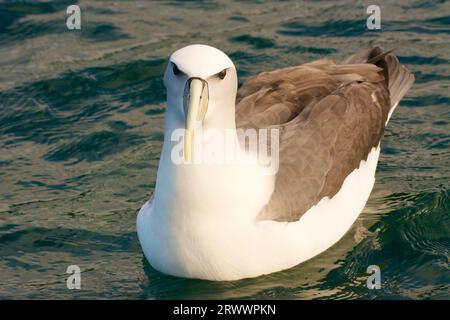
201 188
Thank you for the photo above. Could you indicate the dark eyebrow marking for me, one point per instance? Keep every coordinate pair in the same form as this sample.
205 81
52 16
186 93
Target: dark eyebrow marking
176 71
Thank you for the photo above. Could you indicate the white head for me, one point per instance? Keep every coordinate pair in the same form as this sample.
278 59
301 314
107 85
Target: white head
201 83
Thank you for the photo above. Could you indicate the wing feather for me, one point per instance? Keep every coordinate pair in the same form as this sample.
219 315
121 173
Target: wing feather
329 116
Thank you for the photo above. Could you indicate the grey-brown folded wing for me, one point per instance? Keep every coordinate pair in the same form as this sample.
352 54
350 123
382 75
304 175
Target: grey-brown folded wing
329 116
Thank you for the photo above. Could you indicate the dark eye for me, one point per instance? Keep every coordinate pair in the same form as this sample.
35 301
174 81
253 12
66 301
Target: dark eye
222 74
175 69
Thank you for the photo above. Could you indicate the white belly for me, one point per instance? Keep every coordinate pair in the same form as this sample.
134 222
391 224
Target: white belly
230 244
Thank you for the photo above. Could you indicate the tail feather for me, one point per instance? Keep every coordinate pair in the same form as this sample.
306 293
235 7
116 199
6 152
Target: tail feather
397 77
400 79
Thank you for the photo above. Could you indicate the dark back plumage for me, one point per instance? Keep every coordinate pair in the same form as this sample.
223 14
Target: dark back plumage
329 115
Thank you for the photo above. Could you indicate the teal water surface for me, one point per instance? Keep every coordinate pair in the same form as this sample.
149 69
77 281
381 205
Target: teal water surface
81 129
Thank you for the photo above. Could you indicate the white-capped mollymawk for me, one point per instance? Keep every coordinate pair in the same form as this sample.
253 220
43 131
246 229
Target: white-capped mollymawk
231 220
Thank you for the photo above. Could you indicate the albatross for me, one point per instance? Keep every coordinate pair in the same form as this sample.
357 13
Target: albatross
229 221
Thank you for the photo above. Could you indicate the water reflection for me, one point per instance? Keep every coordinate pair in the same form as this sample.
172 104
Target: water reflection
81 128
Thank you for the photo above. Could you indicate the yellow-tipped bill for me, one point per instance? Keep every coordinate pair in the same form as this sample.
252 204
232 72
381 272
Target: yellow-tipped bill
195 104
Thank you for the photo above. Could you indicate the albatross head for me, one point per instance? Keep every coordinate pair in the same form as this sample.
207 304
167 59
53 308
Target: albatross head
201 85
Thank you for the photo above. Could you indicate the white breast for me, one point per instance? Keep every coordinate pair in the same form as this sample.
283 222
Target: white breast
215 236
